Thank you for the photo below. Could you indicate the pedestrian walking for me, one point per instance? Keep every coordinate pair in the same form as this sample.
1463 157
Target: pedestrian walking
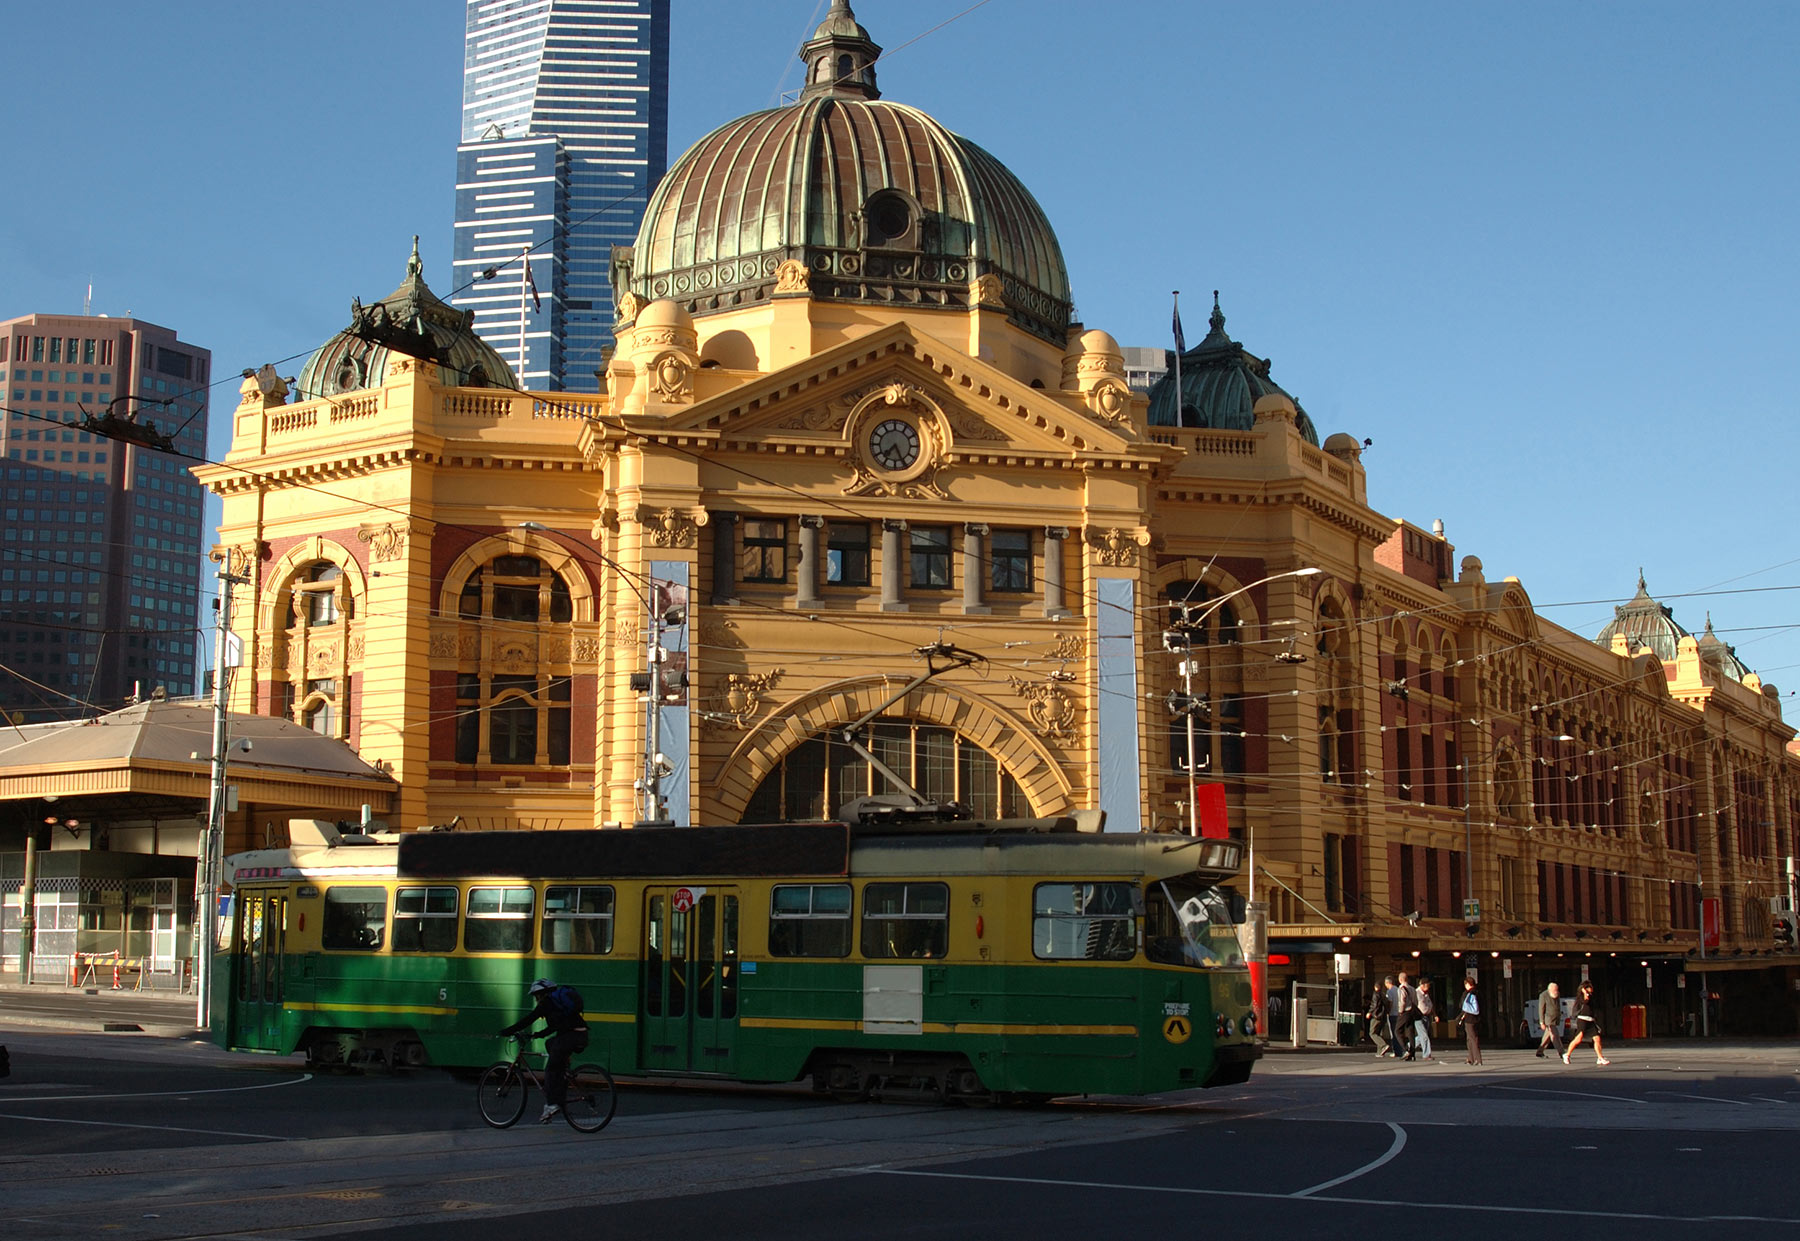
1427 1015
1550 1018
1379 1015
1406 1016
1470 1017
1587 1024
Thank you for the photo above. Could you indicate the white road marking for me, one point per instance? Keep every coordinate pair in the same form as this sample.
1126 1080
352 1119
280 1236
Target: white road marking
162 1094
1584 1094
1399 1145
1383 1204
1704 1098
119 1124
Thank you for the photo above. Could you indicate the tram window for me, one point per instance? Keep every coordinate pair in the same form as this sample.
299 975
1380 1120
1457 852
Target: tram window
578 920
1083 922
499 920
425 920
355 918
810 920
906 920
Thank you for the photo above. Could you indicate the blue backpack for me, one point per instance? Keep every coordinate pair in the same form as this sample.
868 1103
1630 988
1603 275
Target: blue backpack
563 1002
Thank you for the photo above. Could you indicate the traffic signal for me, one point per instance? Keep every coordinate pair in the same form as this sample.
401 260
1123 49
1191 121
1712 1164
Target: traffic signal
1784 930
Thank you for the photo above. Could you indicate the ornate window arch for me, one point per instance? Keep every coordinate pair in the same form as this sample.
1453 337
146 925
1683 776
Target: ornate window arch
313 641
505 640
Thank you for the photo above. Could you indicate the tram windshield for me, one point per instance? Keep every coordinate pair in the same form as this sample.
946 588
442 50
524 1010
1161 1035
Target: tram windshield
1195 924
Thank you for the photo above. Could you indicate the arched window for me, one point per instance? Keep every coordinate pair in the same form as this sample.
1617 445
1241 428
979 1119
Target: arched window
312 664
816 778
513 677
316 594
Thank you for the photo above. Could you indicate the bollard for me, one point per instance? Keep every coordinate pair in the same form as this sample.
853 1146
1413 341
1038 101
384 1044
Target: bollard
115 985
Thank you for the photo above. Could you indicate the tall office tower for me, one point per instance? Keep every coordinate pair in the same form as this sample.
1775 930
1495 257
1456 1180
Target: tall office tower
565 123
101 549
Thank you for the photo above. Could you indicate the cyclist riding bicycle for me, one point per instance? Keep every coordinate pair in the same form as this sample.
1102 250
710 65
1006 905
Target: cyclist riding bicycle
559 1008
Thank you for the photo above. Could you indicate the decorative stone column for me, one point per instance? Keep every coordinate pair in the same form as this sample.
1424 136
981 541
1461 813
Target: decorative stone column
1055 603
893 565
974 567
724 560
806 574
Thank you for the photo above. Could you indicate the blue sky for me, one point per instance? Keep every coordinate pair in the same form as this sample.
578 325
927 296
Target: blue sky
1544 255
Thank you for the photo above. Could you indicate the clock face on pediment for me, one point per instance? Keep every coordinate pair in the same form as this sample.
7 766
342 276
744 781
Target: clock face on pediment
894 444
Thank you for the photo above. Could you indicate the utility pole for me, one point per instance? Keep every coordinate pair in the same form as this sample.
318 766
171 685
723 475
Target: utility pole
212 861
667 605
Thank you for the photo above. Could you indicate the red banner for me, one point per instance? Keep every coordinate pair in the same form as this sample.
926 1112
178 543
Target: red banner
1709 923
1211 800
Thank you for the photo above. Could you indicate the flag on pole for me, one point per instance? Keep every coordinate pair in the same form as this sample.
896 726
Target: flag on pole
531 284
1180 340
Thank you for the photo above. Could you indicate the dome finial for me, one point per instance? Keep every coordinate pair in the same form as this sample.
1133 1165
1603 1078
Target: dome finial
414 266
1643 588
840 57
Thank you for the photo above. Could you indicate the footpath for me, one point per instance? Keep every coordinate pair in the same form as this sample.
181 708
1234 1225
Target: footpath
96 1009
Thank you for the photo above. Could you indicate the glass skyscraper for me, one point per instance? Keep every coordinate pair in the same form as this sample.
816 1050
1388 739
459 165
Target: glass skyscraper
103 542
564 135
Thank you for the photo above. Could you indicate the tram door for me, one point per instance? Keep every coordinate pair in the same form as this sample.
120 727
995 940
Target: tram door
259 940
689 996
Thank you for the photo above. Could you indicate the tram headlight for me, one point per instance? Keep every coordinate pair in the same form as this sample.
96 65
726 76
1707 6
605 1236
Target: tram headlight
1248 1024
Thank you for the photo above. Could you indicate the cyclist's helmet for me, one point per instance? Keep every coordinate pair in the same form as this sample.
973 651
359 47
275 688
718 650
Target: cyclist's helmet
541 985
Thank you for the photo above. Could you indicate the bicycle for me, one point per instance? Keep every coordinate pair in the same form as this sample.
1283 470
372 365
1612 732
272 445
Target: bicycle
505 1088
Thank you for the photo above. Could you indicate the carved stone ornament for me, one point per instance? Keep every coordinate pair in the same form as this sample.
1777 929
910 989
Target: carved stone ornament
1111 400
1068 647
515 654
793 276
667 527
356 649
1115 547
322 658
864 482
969 427
265 653
443 644
1052 707
720 634
987 290
829 417
385 542
672 377
741 698
625 634
587 650
627 309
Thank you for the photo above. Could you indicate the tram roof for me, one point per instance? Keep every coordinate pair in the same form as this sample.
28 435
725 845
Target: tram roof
1017 846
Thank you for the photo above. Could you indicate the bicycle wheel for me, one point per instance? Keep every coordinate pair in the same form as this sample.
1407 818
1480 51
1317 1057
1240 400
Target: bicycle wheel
592 1098
501 1095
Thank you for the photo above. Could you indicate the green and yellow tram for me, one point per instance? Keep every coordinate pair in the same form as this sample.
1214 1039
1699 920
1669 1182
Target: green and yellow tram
960 960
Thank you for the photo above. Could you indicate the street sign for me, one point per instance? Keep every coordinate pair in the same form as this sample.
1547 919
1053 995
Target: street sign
1471 910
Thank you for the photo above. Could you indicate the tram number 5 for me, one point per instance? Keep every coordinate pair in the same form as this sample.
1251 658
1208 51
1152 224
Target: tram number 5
686 898
1177 1029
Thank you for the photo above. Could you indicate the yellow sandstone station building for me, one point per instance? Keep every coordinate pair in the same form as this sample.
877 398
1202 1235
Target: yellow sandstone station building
850 431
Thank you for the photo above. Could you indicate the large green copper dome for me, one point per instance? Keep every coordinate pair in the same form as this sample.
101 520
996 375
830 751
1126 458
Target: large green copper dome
1221 382
878 200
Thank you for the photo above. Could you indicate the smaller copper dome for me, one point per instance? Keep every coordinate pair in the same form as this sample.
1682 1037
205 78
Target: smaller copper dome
1221 382
409 322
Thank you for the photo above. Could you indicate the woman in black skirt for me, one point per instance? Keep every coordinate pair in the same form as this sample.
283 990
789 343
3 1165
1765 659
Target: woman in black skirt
1587 1024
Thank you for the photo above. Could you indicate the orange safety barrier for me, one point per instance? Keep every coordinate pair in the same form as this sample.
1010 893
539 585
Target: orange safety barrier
116 964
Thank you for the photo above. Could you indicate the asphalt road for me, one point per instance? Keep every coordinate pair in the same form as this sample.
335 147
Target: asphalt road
156 1136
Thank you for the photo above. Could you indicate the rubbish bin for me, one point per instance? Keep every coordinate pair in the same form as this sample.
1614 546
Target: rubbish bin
1634 1021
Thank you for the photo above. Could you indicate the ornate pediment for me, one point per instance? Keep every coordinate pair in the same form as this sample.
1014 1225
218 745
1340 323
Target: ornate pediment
981 410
